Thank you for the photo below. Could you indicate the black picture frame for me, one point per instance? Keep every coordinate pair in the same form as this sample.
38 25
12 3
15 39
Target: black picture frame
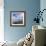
17 18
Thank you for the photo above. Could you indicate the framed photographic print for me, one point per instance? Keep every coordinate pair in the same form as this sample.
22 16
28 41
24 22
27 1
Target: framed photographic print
17 18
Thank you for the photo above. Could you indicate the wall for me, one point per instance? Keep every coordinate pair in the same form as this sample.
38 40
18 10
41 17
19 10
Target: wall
30 6
1 21
43 6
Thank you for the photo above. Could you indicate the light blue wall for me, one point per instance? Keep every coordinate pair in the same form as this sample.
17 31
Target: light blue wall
30 6
43 6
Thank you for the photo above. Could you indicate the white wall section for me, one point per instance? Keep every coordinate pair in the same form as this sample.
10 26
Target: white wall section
1 20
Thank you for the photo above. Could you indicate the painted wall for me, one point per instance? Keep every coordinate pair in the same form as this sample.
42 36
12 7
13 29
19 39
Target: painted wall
43 6
30 6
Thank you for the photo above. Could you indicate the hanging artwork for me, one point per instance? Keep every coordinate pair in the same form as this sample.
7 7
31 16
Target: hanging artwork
17 18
